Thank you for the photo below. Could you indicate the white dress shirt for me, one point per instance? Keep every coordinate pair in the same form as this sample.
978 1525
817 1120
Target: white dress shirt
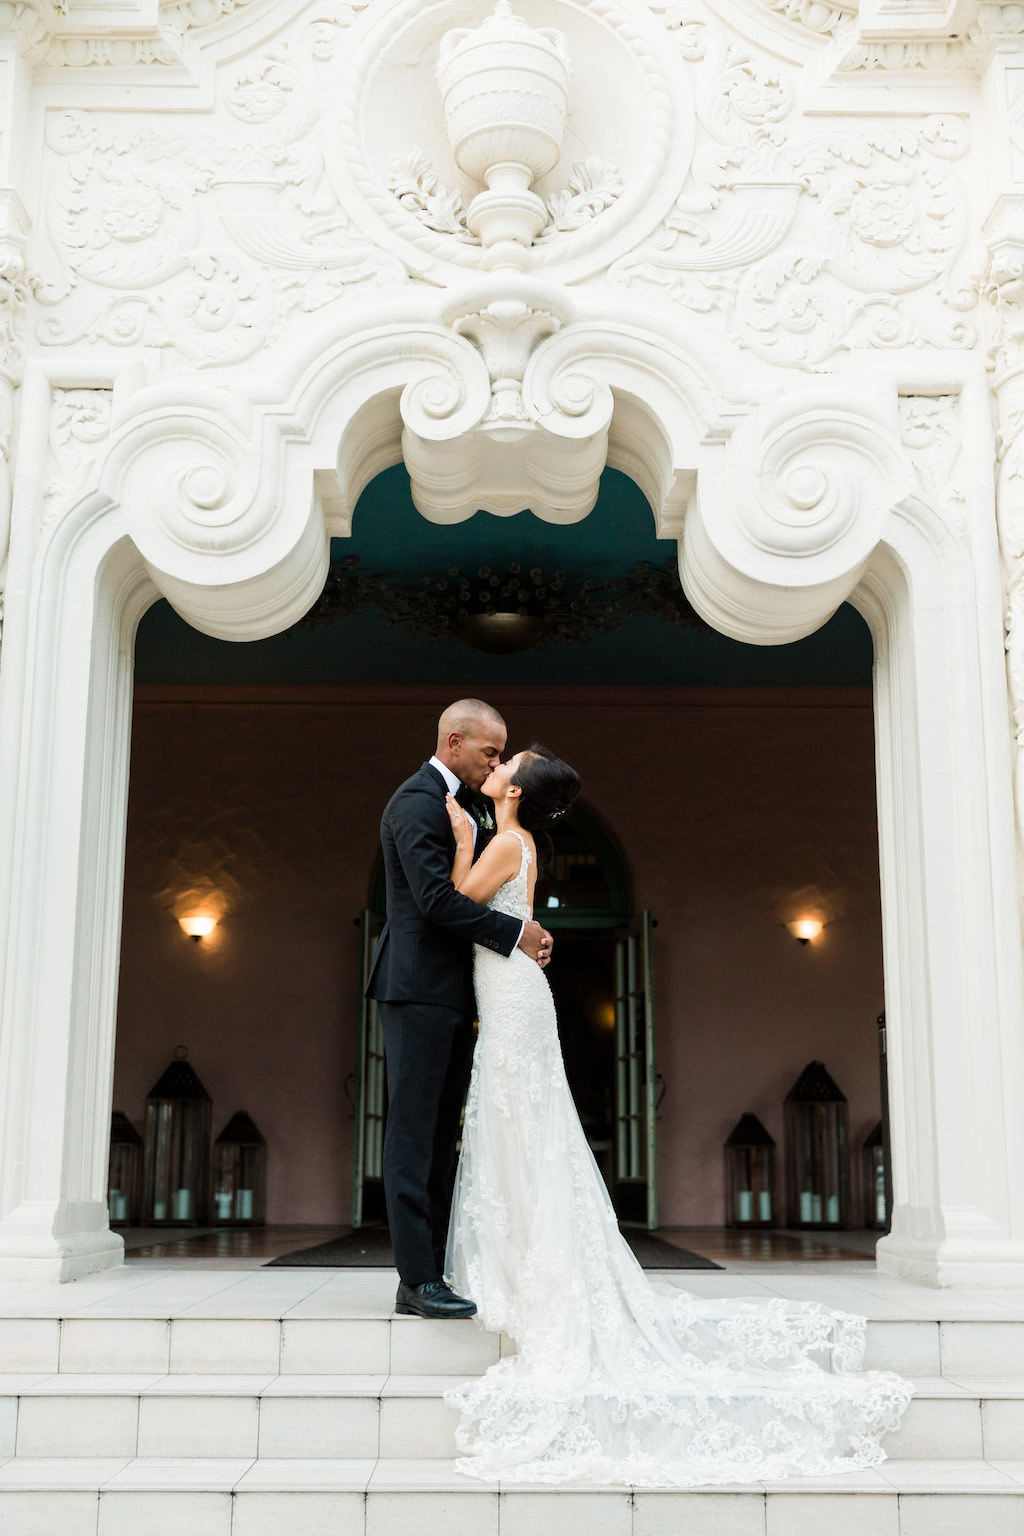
454 785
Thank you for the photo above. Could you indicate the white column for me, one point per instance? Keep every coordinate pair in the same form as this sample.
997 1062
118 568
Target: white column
65 713
15 282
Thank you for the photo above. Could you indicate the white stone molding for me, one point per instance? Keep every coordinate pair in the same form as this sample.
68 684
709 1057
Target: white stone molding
57 1072
642 134
505 94
787 518
809 245
930 434
79 424
1004 288
112 34
15 293
798 239
937 37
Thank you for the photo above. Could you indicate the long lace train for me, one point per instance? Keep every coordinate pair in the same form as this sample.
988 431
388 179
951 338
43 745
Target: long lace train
619 1379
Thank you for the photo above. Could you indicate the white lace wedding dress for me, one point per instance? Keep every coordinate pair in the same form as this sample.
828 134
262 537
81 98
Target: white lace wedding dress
619 1379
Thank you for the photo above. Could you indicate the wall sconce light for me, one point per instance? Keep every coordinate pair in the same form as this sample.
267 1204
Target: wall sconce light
804 929
198 925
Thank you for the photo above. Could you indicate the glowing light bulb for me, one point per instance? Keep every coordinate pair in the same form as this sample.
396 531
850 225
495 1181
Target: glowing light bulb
804 929
198 925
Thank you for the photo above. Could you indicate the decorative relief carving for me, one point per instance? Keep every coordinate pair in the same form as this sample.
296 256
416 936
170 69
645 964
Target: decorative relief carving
791 513
943 55
969 49
418 188
572 215
505 88
205 244
488 432
798 244
873 222
16 287
594 184
79 425
1003 287
1013 86
45 45
506 332
821 17
505 93
930 432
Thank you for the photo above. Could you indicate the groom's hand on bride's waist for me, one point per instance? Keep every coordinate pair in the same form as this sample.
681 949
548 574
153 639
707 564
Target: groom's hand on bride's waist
536 942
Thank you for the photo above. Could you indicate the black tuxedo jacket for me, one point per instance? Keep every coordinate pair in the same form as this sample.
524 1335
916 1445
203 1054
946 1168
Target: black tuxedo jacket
424 954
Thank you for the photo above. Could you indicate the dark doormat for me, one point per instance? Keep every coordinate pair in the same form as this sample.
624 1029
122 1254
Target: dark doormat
370 1248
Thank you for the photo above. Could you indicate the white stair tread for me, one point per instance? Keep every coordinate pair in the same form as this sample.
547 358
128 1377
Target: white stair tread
237 1294
175 1474
98 1384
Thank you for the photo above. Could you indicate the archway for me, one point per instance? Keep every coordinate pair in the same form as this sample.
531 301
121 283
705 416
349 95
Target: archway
731 777
208 530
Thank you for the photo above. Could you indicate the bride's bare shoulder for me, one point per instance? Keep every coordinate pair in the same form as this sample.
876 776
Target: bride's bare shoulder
505 845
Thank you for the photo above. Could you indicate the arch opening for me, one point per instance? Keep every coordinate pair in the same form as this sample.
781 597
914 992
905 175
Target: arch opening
952 947
358 679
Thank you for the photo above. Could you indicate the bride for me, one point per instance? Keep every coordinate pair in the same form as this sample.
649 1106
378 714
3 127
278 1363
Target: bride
616 1379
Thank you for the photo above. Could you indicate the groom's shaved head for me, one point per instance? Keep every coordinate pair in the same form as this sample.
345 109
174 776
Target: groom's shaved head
466 717
471 737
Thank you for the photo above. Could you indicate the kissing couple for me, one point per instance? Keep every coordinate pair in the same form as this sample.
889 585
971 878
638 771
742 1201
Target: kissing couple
615 1378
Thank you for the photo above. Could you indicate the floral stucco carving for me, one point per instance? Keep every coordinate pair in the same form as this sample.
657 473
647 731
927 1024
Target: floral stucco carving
79 425
806 241
204 244
797 239
593 185
930 433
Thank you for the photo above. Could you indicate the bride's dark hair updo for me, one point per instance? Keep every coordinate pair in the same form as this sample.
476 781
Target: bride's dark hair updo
549 788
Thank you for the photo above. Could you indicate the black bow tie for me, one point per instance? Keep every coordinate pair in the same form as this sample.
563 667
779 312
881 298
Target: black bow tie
465 797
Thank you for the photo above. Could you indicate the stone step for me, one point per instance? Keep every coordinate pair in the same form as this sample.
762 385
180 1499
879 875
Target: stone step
394 1417
379 1344
239 1497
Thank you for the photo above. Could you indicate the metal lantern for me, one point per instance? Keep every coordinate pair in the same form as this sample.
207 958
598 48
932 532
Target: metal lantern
875 1180
239 1174
817 1172
749 1175
124 1174
177 1147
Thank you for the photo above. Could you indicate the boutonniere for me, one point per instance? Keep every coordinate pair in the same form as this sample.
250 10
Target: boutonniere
482 815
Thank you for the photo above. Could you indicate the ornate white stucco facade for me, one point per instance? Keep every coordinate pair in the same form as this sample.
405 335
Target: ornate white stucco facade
766 257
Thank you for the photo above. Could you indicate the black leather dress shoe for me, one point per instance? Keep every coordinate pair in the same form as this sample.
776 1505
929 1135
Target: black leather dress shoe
432 1299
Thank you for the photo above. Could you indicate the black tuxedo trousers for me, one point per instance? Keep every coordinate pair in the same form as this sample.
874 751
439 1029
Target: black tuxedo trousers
422 979
429 1051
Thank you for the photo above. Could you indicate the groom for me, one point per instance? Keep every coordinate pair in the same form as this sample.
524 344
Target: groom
422 978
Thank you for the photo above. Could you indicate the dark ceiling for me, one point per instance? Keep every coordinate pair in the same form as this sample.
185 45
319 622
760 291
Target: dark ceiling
391 538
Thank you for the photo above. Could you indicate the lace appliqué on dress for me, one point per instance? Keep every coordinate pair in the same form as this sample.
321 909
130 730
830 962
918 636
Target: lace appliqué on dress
619 1379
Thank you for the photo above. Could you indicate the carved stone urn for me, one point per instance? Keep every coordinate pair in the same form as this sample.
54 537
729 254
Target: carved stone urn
505 89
